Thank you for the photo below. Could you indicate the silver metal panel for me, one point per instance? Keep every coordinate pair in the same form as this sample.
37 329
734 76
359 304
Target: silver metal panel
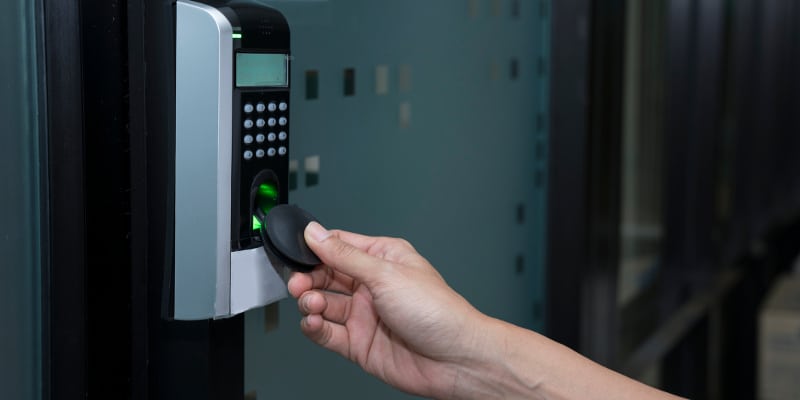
202 161
254 280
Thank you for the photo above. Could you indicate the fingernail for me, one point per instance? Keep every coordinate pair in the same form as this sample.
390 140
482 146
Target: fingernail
317 232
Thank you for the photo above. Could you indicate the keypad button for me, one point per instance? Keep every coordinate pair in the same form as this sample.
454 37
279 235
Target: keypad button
283 121
260 122
248 139
248 124
272 122
272 106
260 153
283 106
248 155
260 107
271 137
248 108
260 138
271 152
282 151
282 136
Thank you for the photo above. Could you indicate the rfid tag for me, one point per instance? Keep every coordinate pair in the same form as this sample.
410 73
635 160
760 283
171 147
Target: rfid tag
282 234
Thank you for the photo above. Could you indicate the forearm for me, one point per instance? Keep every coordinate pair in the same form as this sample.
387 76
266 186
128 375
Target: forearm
515 363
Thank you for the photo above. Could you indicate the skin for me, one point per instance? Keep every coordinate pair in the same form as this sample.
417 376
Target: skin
378 303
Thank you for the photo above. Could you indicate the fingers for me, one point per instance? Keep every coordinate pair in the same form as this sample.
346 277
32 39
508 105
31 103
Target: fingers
390 249
362 242
327 334
299 283
333 307
324 278
342 255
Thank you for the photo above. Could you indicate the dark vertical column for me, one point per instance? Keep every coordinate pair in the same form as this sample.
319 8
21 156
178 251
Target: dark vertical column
679 109
778 108
682 152
705 134
107 202
744 85
600 334
139 349
65 274
787 192
694 109
695 77
583 225
567 195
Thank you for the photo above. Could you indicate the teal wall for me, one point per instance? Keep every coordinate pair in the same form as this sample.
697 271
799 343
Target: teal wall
20 343
452 180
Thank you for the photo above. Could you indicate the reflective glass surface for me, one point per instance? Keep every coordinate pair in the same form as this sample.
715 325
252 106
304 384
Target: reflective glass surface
20 277
419 119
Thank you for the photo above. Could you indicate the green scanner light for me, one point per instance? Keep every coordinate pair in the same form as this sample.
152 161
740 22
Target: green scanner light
268 190
266 199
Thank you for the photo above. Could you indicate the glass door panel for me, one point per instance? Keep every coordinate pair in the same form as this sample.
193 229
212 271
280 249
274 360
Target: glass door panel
432 127
20 223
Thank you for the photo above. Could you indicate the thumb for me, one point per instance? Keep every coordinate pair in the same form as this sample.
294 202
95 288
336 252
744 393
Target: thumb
341 255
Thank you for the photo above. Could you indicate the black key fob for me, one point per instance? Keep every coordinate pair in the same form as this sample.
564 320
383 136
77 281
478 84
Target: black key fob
282 234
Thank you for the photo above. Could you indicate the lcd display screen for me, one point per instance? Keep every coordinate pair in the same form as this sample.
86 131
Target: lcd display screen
261 69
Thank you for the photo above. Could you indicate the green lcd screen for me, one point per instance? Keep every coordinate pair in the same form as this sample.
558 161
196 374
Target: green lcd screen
261 69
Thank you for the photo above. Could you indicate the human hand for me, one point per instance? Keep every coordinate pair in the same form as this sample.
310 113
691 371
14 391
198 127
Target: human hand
377 302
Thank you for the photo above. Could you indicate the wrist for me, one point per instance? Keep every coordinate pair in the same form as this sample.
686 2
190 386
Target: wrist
514 363
495 367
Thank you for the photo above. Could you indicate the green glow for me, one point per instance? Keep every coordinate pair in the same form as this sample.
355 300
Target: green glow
266 198
237 35
267 190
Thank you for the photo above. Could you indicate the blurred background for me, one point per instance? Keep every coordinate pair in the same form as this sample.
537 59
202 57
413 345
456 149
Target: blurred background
621 176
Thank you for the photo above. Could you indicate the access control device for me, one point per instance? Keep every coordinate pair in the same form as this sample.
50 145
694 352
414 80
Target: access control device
232 132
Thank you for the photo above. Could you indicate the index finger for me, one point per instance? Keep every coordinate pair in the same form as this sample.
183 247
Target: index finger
390 249
324 278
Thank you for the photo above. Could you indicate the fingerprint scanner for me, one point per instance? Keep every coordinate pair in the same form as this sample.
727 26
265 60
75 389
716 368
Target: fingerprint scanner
266 197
